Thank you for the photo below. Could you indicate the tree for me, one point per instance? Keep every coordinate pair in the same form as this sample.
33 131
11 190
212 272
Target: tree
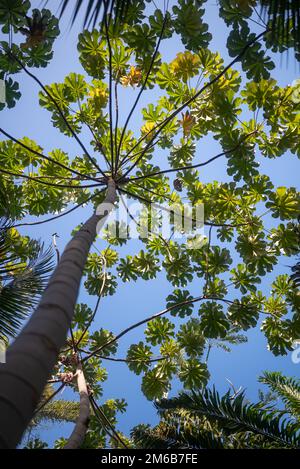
24 269
206 420
198 95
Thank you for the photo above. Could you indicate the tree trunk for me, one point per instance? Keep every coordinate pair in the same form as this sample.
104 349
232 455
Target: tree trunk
31 358
82 423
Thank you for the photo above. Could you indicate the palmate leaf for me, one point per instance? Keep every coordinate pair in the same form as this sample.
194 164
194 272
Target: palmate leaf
12 93
138 357
193 374
191 339
234 415
179 296
159 330
154 384
13 12
214 323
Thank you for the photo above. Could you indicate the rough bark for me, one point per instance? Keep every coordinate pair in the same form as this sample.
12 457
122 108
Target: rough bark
77 436
31 358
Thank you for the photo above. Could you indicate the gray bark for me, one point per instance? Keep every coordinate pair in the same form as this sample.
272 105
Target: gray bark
31 358
77 436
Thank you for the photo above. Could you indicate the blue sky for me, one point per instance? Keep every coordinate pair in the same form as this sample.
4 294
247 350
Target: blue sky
133 302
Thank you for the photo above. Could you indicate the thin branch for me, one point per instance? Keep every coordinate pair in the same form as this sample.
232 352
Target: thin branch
116 124
63 186
140 323
125 360
185 168
111 427
110 86
58 108
126 160
138 224
144 83
61 214
97 303
51 160
48 399
156 205
190 100
156 315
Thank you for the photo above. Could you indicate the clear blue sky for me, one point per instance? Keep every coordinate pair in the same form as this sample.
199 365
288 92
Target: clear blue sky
136 301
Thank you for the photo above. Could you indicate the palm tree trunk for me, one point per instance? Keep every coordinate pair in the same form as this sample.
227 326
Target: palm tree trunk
31 358
81 426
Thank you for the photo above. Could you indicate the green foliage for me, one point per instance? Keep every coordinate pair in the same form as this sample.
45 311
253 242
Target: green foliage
206 420
213 320
40 30
241 246
159 330
180 296
138 357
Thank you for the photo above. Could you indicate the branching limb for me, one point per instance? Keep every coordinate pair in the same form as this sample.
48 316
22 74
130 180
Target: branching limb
47 158
57 107
163 124
199 165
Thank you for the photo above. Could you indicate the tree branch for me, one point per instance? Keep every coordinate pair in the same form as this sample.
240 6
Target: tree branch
63 186
190 100
34 152
57 107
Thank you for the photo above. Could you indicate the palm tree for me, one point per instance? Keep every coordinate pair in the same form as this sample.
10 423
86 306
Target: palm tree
21 282
206 420
283 16
287 389
94 8
31 358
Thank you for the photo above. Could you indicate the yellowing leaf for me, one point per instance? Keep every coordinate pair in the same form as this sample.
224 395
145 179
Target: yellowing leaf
133 78
186 65
187 122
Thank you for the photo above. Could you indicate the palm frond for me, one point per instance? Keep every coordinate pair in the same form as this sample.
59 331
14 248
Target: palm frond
20 294
287 388
235 416
93 10
283 17
59 410
175 434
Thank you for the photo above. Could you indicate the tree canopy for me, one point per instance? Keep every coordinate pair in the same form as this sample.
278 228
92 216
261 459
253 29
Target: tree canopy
250 224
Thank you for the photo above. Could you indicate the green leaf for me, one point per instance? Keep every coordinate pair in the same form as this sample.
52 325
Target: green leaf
154 384
213 322
278 335
190 338
193 374
12 93
159 330
138 357
178 296
99 339
243 313
284 203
